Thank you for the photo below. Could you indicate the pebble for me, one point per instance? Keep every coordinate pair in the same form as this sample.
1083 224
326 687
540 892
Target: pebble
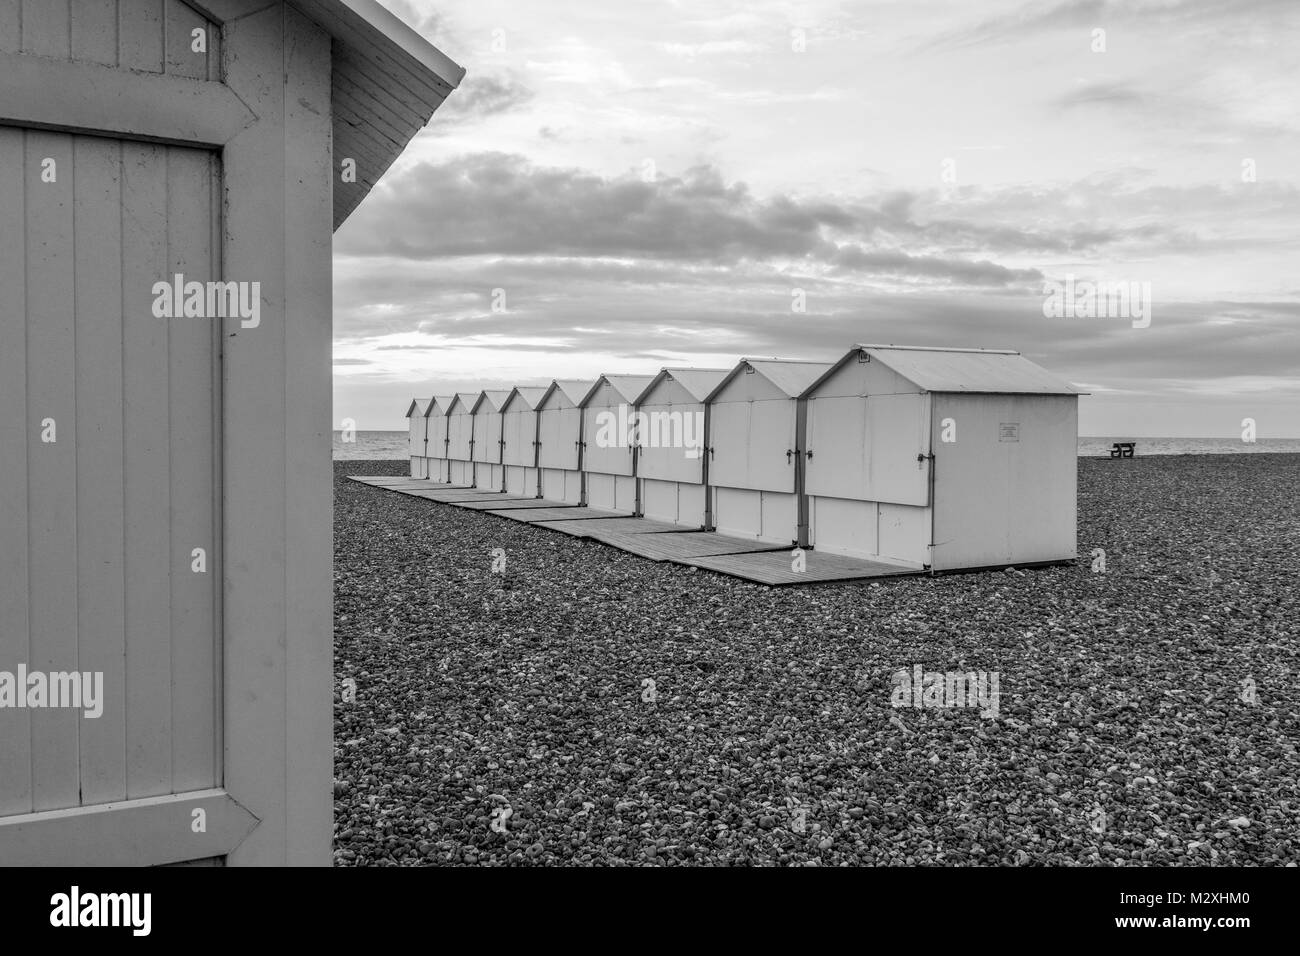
1124 689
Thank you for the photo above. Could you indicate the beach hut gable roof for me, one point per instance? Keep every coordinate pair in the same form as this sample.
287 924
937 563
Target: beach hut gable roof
627 386
463 400
419 406
494 397
987 371
572 389
791 376
529 396
697 382
438 402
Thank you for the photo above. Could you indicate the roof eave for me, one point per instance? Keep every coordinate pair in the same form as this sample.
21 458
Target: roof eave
654 382
835 367
375 51
437 401
587 395
725 380
401 40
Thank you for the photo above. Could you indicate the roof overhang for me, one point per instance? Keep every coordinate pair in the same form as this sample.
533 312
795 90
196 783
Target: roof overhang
496 398
463 400
619 383
572 389
439 402
387 82
664 374
755 365
967 374
671 374
736 370
530 395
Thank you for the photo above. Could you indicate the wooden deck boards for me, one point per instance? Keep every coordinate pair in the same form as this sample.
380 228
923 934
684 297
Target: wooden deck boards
555 512
774 567
446 497
497 501
656 540
588 527
383 481
678 546
389 483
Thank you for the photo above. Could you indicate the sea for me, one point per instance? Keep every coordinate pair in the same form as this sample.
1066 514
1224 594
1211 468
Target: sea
376 446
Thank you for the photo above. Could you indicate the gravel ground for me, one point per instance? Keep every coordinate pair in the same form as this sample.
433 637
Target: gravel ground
505 719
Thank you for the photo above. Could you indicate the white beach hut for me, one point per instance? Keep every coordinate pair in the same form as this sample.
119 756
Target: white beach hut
489 473
608 442
418 427
435 416
460 438
173 174
754 439
559 423
941 458
519 434
671 465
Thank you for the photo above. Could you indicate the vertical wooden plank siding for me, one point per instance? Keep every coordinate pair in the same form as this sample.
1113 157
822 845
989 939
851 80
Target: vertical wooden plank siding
190 356
97 209
52 467
17 424
140 35
179 20
309 229
11 29
147 488
46 30
149 36
255 444
94 31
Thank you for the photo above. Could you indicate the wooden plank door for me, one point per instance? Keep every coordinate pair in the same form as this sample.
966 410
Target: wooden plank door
110 524
838 440
898 439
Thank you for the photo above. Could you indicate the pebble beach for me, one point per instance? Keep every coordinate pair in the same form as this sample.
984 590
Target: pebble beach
589 707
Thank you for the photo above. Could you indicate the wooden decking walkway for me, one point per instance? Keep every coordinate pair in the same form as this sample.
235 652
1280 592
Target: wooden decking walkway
757 561
682 545
777 567
593 527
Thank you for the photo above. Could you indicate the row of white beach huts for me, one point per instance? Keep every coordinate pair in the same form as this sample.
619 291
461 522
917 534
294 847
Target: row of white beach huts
937 459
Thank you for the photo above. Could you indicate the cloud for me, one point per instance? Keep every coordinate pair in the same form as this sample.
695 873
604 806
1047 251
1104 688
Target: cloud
897 263
602 272
428 23
501 205
1102 94
1036 18
710 47
483 96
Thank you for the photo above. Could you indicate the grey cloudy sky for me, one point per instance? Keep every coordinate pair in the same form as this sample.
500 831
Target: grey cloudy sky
649 180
